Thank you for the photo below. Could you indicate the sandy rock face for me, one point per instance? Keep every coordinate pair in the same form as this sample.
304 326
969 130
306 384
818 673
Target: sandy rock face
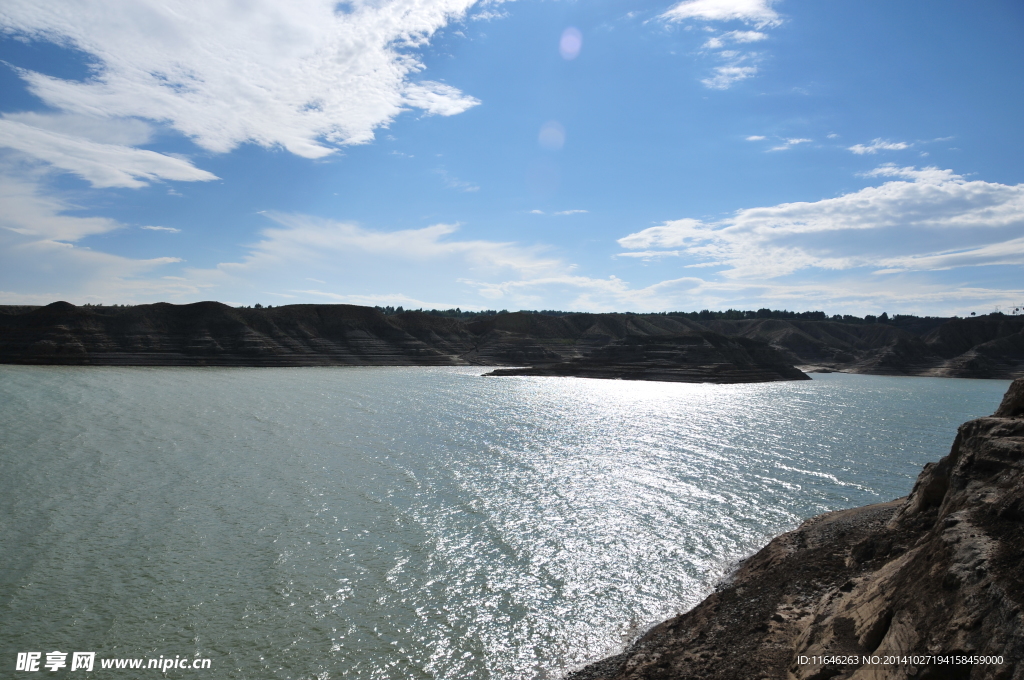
892 591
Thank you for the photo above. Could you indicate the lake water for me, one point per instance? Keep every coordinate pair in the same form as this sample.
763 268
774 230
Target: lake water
415 522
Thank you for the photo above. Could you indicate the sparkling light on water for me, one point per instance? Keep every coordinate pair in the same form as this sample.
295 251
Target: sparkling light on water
416 523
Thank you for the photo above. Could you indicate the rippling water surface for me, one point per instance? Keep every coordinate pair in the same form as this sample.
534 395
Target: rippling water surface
415 522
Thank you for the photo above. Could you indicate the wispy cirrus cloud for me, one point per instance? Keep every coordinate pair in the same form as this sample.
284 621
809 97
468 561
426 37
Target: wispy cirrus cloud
102 165
453 182
35 213
878 144
726 76
305 238
790 142
720 41
576 211
40 251
99 129
924 219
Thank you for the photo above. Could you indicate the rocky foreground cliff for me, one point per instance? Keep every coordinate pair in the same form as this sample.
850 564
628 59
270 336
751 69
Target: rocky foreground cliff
210 333
926 587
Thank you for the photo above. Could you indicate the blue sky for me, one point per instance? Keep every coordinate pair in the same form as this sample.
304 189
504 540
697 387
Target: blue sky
854 157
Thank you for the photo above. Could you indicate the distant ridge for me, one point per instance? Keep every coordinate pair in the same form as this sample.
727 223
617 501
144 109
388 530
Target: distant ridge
214 334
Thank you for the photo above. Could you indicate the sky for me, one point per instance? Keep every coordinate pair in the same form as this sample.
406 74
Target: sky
849 156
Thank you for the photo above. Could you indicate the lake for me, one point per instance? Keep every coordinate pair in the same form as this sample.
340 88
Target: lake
415 522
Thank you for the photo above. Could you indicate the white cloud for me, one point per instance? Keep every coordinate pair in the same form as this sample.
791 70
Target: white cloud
489 15
720 41
755 138
438 98
908 223
652 254
877 145
738 66
171 230
434 267
305 75
1007 252
41 261
790 143
40 272
560 212
726 76
308 239
428 267
929 174
756 12
103 165
746 36
928 219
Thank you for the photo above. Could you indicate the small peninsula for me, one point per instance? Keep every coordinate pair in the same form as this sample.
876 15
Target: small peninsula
910 585
699 357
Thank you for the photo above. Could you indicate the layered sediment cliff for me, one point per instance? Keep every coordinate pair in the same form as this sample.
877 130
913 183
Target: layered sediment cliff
209 333
892 591
989 346
212 334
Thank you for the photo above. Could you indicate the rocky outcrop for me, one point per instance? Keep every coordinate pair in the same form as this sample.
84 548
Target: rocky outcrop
698 357
907 589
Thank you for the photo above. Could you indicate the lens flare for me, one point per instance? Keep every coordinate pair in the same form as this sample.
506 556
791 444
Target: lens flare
552 135
570 44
